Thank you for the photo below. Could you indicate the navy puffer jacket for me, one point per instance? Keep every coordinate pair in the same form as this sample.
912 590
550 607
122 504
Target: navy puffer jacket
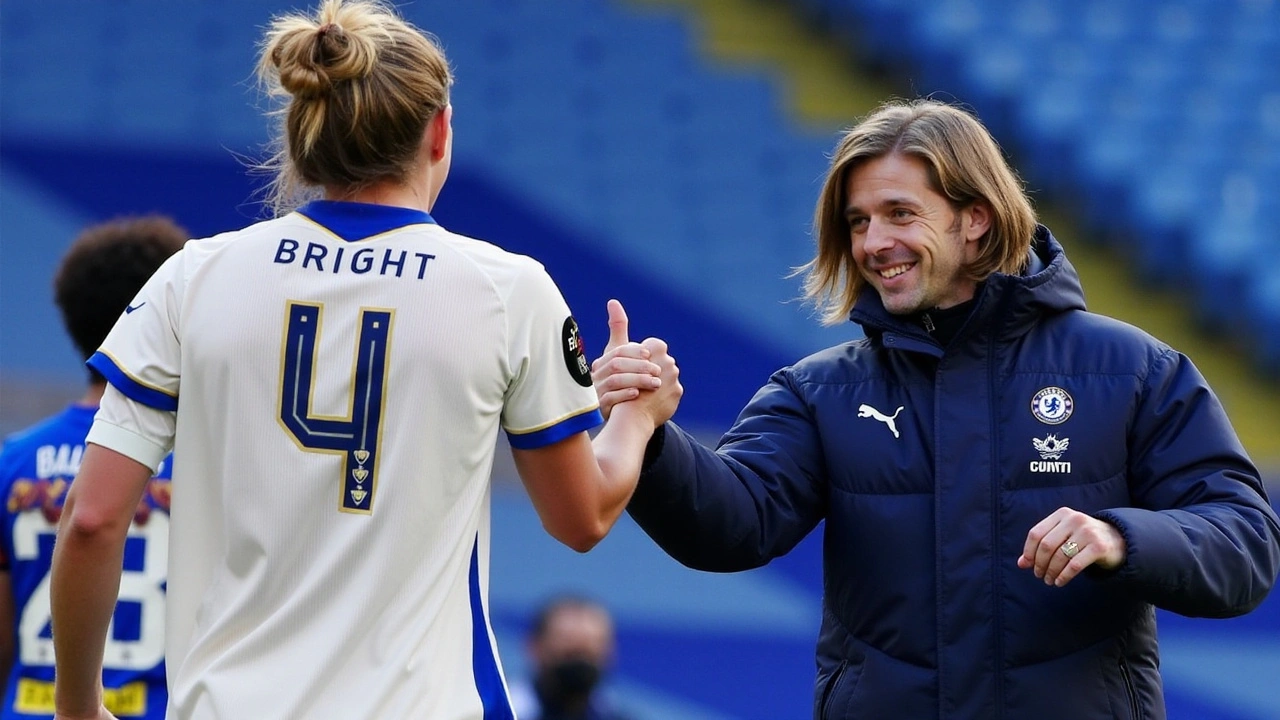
929 468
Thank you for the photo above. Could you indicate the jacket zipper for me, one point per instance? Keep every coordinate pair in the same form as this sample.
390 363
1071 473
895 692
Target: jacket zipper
1135 709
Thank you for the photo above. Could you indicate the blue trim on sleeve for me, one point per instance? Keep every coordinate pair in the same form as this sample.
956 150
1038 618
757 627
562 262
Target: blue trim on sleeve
354 221
556 433
493 696
132 389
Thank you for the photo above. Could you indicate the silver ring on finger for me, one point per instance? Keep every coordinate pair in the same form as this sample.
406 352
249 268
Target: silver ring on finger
1070 548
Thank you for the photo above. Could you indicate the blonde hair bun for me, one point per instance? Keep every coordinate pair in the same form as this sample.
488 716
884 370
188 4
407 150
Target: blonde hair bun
356 85
310 58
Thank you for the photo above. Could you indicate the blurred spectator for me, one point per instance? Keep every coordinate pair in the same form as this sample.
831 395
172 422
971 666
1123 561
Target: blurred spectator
570 650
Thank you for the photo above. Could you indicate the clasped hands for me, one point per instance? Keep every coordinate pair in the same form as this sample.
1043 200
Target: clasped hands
643 373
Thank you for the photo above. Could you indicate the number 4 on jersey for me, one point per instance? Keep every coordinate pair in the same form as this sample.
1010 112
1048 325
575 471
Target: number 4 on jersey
356 436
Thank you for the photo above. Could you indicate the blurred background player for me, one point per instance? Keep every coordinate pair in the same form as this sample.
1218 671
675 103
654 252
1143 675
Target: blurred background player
570 649
99 275
344 371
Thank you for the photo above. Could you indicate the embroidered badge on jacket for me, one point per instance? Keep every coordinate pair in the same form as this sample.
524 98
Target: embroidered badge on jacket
1052 406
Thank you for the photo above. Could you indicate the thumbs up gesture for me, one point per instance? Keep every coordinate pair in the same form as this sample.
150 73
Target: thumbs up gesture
617 328
627 368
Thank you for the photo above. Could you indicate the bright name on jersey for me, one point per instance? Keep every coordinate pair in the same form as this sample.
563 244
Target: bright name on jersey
359 262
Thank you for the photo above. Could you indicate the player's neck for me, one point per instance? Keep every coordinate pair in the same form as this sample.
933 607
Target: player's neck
92 395
394 194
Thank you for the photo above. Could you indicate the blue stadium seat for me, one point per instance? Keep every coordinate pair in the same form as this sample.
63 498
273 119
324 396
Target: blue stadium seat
1264 315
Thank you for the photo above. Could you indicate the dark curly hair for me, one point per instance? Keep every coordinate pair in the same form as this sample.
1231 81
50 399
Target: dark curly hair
103 271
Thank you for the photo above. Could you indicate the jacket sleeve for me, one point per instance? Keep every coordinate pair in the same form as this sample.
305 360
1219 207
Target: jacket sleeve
1202 538
747 502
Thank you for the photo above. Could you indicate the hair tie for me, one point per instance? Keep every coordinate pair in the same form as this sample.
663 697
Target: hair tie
324 29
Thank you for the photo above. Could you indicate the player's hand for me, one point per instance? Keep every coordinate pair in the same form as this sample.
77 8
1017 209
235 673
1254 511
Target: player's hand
1093 542
625 367
661 403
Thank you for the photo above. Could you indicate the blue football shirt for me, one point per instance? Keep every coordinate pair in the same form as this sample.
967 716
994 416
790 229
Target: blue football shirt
37 466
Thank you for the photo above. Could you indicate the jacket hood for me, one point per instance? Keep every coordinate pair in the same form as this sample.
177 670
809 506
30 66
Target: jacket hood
1049 285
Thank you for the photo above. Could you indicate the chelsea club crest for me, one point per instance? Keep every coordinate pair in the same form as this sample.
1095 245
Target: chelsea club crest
1052 405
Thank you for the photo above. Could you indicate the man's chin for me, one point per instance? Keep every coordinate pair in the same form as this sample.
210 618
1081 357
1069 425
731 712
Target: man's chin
900 306
899 300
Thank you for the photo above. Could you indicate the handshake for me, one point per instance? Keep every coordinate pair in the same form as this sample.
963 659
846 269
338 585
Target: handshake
642 374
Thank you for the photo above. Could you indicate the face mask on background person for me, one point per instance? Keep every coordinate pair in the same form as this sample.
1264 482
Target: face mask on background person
567 685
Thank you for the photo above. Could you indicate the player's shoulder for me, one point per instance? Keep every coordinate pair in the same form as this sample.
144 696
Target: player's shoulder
503 267
67 427
199 249
481 251
196 255
72 423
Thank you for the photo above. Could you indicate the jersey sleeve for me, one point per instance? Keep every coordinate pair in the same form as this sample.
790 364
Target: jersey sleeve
135 430
141 355
551 396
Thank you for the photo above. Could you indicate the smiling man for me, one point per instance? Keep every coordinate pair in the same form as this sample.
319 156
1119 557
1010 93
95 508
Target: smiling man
1010 483
908 241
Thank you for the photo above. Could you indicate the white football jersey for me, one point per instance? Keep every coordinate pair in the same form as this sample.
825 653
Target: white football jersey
339 376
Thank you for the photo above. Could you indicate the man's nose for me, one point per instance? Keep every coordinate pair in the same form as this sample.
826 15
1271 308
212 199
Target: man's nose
879 236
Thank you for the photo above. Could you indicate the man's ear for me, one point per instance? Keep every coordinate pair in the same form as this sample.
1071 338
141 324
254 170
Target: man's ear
977 220
438 130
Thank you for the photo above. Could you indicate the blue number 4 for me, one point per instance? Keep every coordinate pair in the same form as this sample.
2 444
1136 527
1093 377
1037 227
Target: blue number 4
357 436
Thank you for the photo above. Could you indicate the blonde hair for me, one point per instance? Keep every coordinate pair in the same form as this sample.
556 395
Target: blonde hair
358 85
965 165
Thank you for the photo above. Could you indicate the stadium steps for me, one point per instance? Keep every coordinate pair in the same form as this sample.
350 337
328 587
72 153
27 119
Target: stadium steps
822 91
825 90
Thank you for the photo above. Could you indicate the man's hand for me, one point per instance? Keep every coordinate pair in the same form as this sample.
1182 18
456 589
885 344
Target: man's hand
625 368
661 402
1067 542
